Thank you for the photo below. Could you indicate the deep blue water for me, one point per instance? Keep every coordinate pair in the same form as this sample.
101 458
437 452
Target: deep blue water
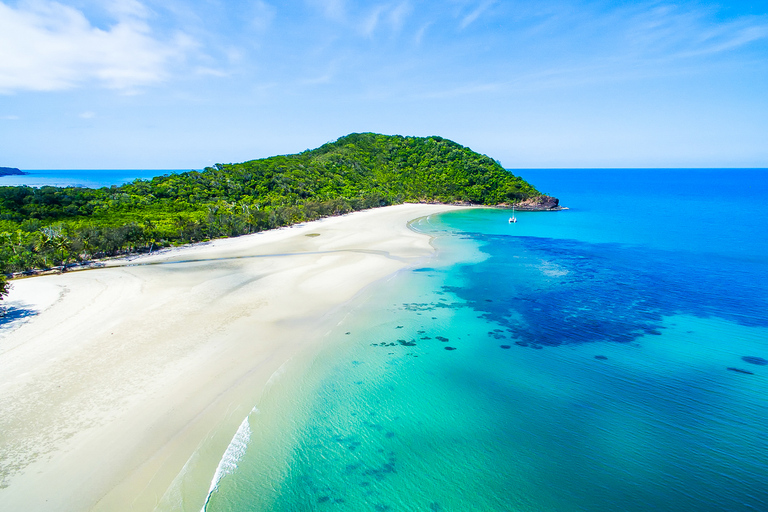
81 178
613 356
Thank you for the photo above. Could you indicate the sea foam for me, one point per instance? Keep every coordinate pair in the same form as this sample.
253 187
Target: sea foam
232 455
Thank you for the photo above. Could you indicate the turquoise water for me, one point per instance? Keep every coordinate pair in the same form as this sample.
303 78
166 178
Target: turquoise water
91 178
609 357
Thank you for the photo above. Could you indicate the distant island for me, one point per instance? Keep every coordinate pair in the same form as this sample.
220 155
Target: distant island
50 226
11 171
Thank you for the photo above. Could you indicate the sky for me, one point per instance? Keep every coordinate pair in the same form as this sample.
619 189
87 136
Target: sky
183 84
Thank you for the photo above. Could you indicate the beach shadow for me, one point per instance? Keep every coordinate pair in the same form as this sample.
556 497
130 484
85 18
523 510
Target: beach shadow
9 314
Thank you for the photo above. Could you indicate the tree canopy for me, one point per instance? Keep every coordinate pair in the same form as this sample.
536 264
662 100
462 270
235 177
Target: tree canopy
50 226
4 288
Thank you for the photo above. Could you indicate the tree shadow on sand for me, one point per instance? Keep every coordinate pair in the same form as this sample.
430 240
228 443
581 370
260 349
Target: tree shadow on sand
9 314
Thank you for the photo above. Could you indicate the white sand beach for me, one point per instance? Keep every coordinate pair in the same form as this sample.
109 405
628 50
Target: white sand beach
120 377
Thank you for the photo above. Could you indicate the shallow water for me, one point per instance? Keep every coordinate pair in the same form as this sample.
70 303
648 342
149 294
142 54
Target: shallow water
608 357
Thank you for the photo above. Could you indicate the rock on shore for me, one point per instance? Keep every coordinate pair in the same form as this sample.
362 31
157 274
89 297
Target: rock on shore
539 204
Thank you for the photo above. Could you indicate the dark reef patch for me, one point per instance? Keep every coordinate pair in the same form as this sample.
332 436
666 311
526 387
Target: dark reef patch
552 292
755 360
739 370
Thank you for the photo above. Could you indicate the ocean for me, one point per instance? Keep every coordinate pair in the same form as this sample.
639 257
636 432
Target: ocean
91 178
613 356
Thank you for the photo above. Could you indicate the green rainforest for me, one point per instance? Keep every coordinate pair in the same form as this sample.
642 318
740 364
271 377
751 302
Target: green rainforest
49 226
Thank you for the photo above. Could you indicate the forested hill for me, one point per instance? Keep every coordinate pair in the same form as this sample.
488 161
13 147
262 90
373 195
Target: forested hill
9 171
392 168
51 226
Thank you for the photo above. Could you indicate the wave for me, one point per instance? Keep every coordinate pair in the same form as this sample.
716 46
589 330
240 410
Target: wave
232 455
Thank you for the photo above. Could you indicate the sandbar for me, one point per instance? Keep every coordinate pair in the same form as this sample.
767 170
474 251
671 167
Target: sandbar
121 387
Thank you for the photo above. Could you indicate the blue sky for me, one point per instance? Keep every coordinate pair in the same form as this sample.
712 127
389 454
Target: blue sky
178 84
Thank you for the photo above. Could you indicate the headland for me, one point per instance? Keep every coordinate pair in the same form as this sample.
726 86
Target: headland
11 171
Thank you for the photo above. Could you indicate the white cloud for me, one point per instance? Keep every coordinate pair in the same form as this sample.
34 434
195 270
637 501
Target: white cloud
47 46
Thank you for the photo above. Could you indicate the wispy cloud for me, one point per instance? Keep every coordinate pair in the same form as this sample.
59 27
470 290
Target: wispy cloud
398 15
677 33
87 115
478 11
204 71
10 118
371 21
45 46
332 9
580 48
263 15
365 20
419 37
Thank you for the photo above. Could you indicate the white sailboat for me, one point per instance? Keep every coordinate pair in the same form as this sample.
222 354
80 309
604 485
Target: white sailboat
513 218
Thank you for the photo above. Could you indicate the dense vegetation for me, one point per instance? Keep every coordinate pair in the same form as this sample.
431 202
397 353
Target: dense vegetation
50 226
3 288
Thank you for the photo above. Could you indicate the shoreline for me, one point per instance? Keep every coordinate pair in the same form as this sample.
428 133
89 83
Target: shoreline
155 360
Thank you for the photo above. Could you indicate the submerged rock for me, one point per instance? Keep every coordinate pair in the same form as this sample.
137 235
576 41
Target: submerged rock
739 370
601 358
505 346
755 360
450 348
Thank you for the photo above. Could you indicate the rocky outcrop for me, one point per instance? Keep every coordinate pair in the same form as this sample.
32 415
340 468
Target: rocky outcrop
9 171
539 204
